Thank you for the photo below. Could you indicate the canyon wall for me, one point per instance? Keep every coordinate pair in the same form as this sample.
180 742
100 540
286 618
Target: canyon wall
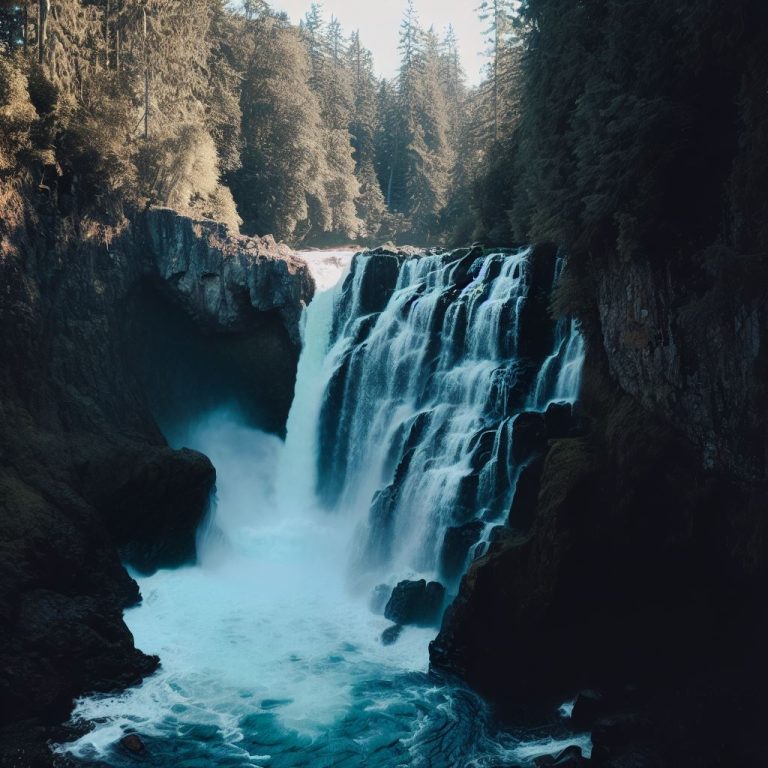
644 572
86 476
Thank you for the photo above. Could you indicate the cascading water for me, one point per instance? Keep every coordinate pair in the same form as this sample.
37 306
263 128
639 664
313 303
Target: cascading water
413 372
435 357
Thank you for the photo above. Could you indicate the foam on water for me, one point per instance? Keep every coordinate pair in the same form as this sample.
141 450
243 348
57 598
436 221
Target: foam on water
268 658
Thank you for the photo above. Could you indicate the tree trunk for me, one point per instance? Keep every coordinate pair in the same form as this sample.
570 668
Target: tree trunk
118 41
146 76
107 11
43 9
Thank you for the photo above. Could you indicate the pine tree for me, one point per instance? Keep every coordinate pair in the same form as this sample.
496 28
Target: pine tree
280 185
499 15
364 128
429 152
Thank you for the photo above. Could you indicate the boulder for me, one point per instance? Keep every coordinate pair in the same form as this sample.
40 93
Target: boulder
570 757
133 745
152 500
391 634
559 420
416 602
529 436
457 542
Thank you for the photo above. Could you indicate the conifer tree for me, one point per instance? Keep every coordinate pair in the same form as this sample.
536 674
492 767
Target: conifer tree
283 159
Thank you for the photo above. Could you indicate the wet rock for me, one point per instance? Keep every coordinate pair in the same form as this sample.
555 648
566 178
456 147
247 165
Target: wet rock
378 281
391 634
457 542
499 533
481 446
587 708
133 745
525 500
466 497
363 328
416 602
559 420
536 327
529 436
380 521
510 388
379 598
570 757
464 272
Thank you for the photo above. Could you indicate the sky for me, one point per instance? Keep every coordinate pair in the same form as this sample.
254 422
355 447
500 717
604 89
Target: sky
379 23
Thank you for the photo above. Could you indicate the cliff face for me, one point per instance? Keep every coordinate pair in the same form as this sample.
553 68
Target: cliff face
649 545
85 473
692 347
225 281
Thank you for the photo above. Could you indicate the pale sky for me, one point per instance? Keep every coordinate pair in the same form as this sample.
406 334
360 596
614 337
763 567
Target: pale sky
379 24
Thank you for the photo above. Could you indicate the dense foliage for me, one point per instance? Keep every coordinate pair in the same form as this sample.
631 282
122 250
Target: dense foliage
642 128
231 112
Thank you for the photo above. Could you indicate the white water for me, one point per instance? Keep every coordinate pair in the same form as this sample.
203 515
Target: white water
268 658
451 370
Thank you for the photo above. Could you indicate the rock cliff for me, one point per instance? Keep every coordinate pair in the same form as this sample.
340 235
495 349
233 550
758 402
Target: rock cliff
648 541
225 281
86 476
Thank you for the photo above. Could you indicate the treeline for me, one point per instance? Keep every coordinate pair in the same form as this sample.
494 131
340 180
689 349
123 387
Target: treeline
242 117
630 128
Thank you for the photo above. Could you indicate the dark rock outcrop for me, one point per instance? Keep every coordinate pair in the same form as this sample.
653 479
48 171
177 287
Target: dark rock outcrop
536 325
457 543
559 420
529 436
375 273
225 281
697 358
647 542
416 602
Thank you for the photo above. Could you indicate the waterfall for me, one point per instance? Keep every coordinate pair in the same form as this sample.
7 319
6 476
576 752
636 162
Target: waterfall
432 360
408 432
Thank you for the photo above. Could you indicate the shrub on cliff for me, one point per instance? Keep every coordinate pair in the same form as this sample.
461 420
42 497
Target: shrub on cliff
16 111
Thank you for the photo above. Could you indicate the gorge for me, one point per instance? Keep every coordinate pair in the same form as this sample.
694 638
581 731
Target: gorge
301 674
485 488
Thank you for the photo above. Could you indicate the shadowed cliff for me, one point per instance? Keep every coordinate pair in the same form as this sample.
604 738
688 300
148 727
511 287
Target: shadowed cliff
85 473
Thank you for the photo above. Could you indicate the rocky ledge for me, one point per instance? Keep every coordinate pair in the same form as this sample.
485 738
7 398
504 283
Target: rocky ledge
225 281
